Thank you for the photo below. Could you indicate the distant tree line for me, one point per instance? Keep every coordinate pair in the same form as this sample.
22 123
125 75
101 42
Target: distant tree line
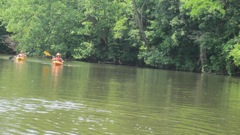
188 35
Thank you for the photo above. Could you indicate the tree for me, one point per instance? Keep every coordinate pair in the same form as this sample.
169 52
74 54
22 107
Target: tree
191 35
218 24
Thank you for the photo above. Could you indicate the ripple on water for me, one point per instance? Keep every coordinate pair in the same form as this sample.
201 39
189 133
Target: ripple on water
37 105
194 120
39 116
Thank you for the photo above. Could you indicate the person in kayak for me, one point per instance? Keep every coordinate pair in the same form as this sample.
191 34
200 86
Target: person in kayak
22 54
58 58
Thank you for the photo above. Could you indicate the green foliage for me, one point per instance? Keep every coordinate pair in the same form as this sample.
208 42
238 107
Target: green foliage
235 50
119 28
175 34
155 58
84 51
235 53
201 7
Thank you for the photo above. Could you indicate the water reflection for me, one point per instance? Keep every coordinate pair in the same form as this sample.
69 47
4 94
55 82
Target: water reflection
19 64
39 98
57 70
56 75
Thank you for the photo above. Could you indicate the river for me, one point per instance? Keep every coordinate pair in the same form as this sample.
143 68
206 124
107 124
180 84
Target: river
80 98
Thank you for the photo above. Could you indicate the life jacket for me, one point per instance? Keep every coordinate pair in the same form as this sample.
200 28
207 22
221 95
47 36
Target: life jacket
58 59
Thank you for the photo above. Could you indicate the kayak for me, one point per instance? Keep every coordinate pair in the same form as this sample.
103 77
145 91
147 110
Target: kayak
57 63
20 58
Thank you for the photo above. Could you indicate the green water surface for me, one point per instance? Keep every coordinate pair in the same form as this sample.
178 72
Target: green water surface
96 99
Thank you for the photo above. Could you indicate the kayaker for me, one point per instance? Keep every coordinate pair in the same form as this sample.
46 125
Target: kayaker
22 54
58 58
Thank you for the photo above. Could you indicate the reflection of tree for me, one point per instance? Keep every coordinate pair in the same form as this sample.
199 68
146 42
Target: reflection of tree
111 81
231 94
152 84
209 90
45 74
100 77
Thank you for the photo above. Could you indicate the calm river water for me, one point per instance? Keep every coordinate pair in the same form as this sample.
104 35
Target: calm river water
96 99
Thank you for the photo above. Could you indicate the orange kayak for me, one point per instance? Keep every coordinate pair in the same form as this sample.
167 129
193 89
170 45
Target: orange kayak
20 58
57 63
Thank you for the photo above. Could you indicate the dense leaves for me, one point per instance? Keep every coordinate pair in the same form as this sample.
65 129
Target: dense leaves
190 35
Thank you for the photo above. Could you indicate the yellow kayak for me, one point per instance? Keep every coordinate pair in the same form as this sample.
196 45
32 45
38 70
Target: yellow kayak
57 63
20 58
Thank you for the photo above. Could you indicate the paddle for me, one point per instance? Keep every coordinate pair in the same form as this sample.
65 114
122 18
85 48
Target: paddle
47 53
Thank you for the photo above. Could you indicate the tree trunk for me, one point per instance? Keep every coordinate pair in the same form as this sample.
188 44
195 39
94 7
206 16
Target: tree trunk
203 58
139 23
